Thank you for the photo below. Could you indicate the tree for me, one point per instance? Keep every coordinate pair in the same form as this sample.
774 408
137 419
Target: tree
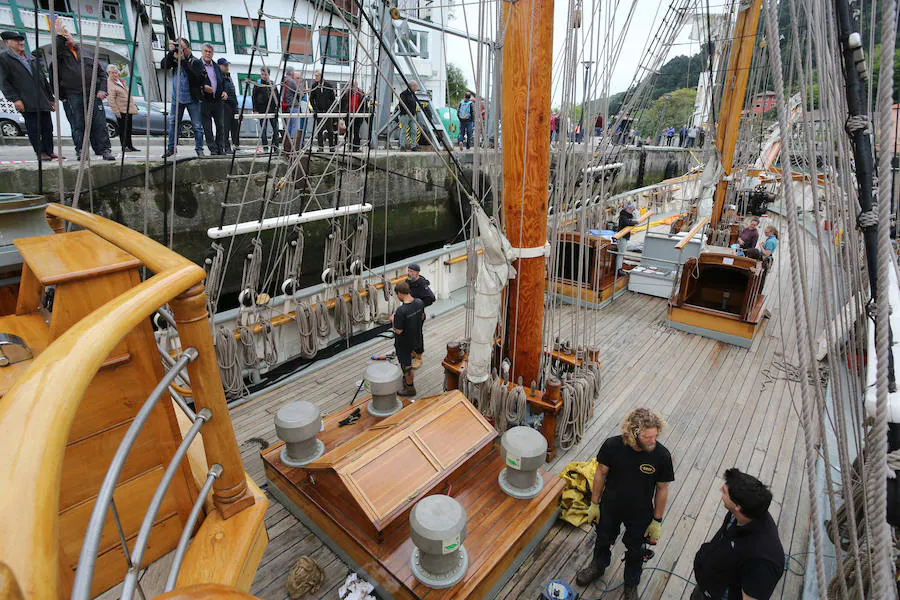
456 85
679 107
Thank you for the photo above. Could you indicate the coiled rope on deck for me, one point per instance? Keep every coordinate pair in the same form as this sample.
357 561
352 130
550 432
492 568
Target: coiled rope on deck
229 366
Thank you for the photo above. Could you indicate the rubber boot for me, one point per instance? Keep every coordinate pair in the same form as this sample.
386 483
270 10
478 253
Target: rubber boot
630 593
589 574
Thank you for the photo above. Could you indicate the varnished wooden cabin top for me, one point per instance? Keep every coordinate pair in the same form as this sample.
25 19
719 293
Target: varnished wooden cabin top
439 444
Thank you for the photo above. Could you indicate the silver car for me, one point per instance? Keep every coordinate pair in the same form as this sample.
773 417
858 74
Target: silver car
157 121
12 124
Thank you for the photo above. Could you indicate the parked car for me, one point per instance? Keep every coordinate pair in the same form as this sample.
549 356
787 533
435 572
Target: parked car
12 124
158 126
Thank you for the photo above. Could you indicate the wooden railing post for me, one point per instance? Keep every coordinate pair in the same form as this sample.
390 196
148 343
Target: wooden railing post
230 492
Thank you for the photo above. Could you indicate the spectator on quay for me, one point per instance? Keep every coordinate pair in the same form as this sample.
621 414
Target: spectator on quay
187 91
230 110
76 70
265 102
213 106
670 134
466 114
322 100
122 104
23 83
554 126
692 136
682 136
353 100
409 110
598 125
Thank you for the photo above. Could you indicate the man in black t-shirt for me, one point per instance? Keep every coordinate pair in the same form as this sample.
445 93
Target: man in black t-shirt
745 559
407 324
631 488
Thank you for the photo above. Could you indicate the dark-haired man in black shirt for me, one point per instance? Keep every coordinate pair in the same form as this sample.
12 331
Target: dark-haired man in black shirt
407 324
745 559
631 488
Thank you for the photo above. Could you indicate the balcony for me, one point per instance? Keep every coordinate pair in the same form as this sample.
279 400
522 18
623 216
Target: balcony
109 29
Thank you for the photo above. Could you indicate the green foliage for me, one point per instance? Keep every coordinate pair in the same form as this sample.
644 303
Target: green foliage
679 107
876 67
456 85
678 73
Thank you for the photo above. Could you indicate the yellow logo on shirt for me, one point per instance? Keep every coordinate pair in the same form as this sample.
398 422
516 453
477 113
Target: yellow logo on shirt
648 469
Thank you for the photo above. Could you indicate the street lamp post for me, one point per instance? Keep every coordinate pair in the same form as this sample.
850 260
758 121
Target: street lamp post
587 75
662 118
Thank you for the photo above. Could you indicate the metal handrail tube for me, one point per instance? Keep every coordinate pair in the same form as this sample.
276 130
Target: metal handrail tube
171 361
140 544
84 575
181 549
182 404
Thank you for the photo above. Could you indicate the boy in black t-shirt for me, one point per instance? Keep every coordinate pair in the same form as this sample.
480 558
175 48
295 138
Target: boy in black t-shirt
631 488
407 324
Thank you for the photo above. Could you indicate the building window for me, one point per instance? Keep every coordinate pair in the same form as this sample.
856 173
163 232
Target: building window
296 42
334 44
416 45
347 6
58 5
111 11
243 31
206 29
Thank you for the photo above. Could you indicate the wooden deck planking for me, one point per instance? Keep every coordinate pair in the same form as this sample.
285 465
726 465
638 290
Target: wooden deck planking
725 406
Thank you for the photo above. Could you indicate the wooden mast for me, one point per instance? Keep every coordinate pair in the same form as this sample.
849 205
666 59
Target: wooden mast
526 73
743 43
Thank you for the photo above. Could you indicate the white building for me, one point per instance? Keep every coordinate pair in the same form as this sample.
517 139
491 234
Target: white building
329 34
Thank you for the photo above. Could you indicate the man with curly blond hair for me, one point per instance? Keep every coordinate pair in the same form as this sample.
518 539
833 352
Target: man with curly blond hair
630 488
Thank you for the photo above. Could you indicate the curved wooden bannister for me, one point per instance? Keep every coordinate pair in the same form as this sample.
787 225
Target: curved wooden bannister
37 413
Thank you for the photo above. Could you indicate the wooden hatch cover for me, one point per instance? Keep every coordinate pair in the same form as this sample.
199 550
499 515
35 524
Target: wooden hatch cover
388 468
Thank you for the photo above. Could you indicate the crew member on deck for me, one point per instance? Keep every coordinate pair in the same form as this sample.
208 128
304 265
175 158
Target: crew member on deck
626 218
407 324
420 288
767 248
750 235
631 487
745 559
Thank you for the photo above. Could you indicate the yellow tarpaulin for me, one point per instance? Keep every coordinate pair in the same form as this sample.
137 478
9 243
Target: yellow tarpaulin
576 497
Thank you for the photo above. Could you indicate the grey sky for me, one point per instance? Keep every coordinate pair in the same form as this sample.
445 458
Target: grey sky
645 21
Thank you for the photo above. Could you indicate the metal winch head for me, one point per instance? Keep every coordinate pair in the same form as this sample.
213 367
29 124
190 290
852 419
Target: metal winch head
524 451
21 216
298 424
385 380
437 527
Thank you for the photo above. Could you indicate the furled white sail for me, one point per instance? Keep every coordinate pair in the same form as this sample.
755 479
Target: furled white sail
494 270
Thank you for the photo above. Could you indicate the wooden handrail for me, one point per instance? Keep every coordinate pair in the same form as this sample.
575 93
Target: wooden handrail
620 234
690 234
37 413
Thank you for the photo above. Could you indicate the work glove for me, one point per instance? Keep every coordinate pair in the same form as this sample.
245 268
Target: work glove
593 513
653 531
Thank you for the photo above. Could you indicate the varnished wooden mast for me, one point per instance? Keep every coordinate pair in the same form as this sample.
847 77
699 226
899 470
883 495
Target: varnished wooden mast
742 46
527 58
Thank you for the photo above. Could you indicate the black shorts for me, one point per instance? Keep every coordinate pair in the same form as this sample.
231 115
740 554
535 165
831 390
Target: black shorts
404 357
